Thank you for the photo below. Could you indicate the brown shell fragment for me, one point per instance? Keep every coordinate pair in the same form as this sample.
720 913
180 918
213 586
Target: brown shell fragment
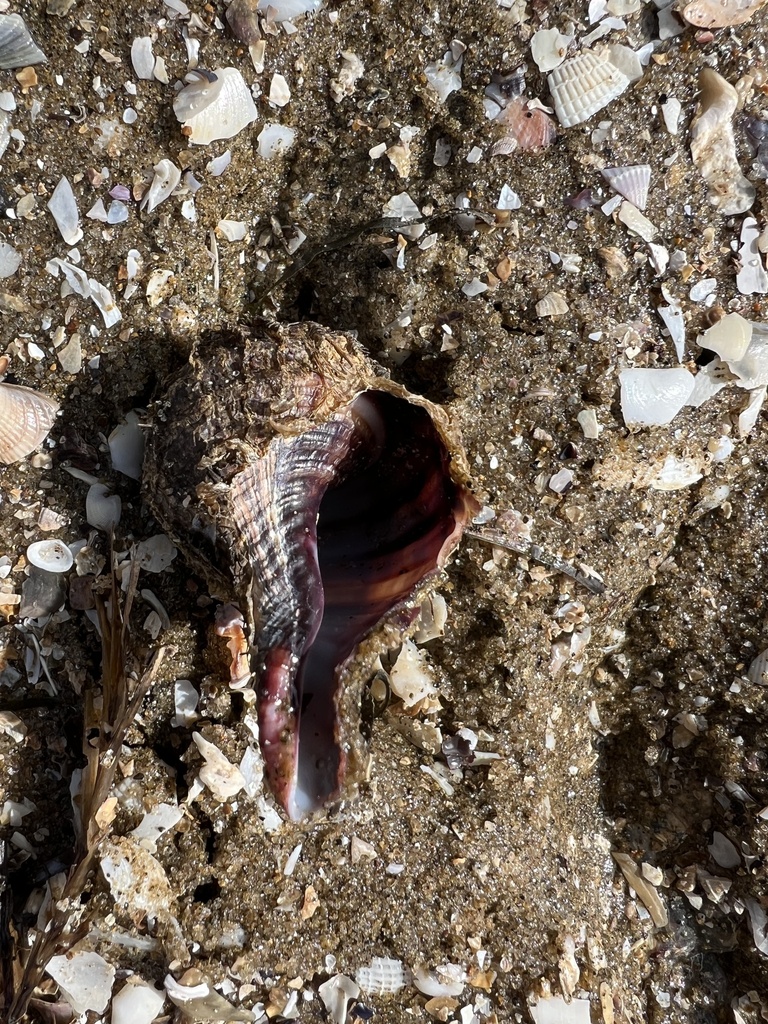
324 498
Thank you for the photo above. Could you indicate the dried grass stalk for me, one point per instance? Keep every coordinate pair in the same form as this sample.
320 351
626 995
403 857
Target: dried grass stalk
104 731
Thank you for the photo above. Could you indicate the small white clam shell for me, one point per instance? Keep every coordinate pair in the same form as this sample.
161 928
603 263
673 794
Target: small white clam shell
102 509
167 177
632 182
583 85
17 47
729 337
26 416
52 555
63 207
126 447
217 109
651 397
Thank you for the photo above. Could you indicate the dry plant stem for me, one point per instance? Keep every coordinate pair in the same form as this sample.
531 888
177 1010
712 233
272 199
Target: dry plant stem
498 539
103 735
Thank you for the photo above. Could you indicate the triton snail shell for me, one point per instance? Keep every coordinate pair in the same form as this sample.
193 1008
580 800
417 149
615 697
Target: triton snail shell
322 496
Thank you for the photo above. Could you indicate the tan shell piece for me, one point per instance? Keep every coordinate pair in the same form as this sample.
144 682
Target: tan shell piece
26 417
713 146
720 13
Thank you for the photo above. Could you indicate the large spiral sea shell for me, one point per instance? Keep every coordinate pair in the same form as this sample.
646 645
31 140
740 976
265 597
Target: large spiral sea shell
324 498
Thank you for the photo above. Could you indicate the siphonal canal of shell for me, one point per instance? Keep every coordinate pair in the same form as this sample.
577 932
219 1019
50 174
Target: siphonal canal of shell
324 498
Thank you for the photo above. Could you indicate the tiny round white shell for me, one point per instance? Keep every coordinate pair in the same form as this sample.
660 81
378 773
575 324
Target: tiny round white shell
52 555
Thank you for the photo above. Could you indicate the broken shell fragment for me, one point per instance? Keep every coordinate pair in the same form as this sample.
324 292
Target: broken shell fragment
52 555
631 182
17 47
216 105
713 146
720 13
26 417
548 48
167 177
729 338
325 499
653 397
583 85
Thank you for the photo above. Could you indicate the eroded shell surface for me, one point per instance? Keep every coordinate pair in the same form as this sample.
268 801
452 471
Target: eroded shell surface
324 498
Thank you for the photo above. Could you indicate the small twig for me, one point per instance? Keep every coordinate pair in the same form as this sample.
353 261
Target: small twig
499 539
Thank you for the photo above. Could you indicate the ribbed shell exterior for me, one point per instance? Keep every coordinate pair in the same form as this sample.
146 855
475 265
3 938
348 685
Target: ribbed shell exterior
26 417
583 85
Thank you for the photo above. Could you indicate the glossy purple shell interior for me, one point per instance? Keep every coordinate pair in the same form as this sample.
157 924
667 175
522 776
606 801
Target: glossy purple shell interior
359 511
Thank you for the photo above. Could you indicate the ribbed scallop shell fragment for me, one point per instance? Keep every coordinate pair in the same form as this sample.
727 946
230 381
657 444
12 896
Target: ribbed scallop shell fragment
26 416
583 85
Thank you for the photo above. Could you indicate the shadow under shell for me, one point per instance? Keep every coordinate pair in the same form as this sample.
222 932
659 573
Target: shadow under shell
344 522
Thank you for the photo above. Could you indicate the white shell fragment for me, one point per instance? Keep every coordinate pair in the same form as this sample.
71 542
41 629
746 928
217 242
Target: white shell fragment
220 776
548 48
285 10
17 47
77 281
336 994
156 553
142 58
279 90
630 216
102 509
653 397
553 304
556 1011
167 177
136 1002
713 146
631 182
201 1001
10 260
63 207
671 111
751 278
758 670
443 76
587 420
274 139
411 678
583 85
729 338
26 416
52 555
85 980
446 980
218 109
382 977
672 315
750 413
126 447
